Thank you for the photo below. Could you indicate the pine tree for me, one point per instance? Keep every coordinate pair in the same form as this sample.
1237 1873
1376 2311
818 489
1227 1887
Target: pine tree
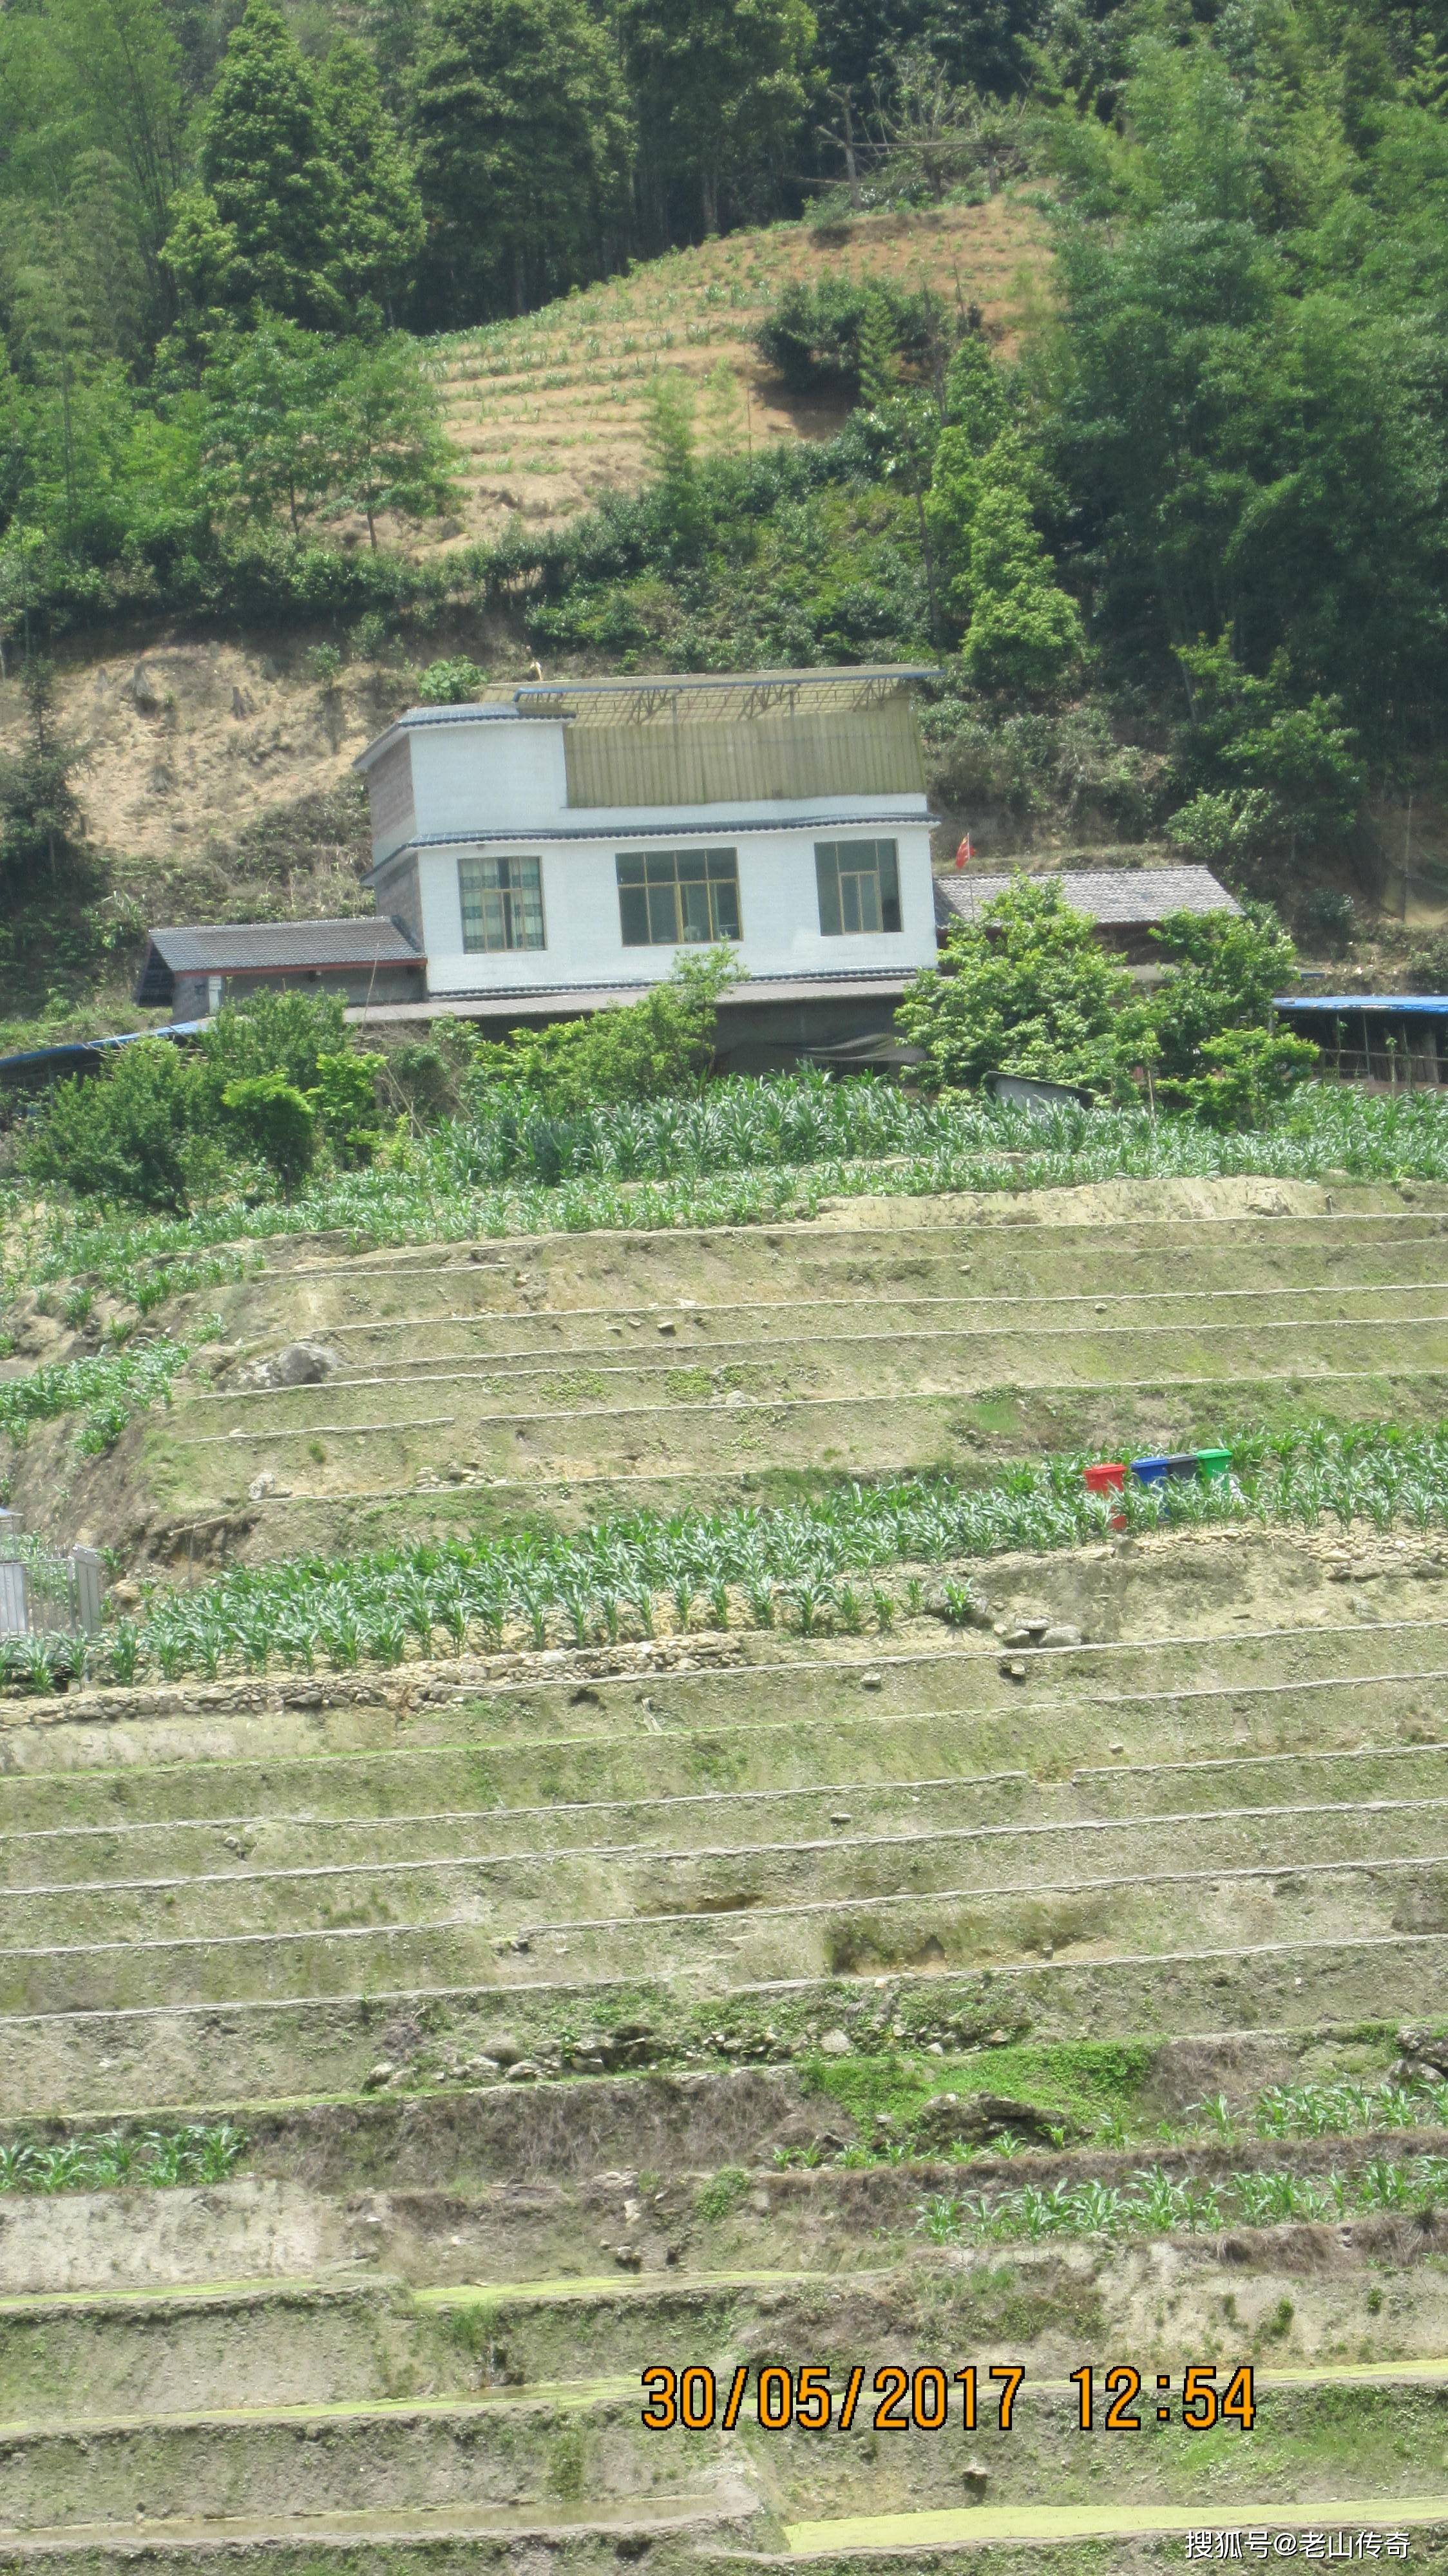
268 175
879 365
524 142
380 227
391 450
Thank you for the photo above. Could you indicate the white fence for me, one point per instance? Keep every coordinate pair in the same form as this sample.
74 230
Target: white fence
45 1594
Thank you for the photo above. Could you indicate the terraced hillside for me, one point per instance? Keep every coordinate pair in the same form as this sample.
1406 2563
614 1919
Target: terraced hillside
552 1379
1058 1986
549 412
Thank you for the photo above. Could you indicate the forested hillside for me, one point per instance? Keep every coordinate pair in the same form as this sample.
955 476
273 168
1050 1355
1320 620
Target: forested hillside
1099 354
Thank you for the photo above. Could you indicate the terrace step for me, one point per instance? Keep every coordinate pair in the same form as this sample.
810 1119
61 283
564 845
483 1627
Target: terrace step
887 1363
234 2348
672 2532
413 2323
1001 1248
374 2456
475 2219
1220 1724
608 1881
246 1843
702 1683
178 2054
1378 2428
532 1338
1377 2432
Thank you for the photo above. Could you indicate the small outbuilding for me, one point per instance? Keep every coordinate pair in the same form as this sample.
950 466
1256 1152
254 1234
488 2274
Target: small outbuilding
192 972
1124 903
1391 1041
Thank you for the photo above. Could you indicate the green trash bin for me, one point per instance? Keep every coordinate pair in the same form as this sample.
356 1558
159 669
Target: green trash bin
1214 1464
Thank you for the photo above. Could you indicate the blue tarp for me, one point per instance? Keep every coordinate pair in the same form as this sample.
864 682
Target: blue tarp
76 1050
1399 1005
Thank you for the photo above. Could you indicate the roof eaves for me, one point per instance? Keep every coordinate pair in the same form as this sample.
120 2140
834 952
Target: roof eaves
414 719
620 835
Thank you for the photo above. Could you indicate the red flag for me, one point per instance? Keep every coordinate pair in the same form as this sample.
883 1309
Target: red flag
965 852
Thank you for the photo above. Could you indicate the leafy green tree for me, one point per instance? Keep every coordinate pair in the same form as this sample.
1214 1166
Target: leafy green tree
276 1030
647 1050
814 335
1278 780
1246 1076
94 135
344 1100
383 422
1225 970
1023 631
297 425
51 881
380 224
275 1121
721 85
1026 989
266 226
977 408
1241 390
1250 730
453 683
524 145
987 42
271 435
671 444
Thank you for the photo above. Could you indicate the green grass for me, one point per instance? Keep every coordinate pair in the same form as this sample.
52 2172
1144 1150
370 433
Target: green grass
1089 2085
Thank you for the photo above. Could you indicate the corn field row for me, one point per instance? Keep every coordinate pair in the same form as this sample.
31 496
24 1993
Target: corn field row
836 1564
107 1389
1157 2203
162 2158
741 1153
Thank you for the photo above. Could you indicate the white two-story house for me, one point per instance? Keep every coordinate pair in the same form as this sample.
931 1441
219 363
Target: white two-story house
555 849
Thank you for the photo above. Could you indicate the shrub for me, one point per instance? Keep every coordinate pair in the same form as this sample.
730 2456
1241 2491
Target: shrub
1249 1074
454 683
280 1032
812 338
124 1135
1428 965
1328 916
344 1097
427 1074
277 1121
1226 969
664 1043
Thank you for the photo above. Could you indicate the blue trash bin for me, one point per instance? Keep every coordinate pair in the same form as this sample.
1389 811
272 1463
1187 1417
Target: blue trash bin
1151 1471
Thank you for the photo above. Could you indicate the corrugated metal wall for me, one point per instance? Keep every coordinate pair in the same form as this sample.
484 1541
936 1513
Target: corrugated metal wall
865 751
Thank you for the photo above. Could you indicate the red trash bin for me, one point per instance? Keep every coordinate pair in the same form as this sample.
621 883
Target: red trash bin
1108 1478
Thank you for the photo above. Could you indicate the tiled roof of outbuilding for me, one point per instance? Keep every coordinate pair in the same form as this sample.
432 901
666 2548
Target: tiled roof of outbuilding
1120 896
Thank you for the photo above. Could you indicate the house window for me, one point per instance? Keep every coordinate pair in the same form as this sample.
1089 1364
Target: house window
502 903
859 886
677 898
